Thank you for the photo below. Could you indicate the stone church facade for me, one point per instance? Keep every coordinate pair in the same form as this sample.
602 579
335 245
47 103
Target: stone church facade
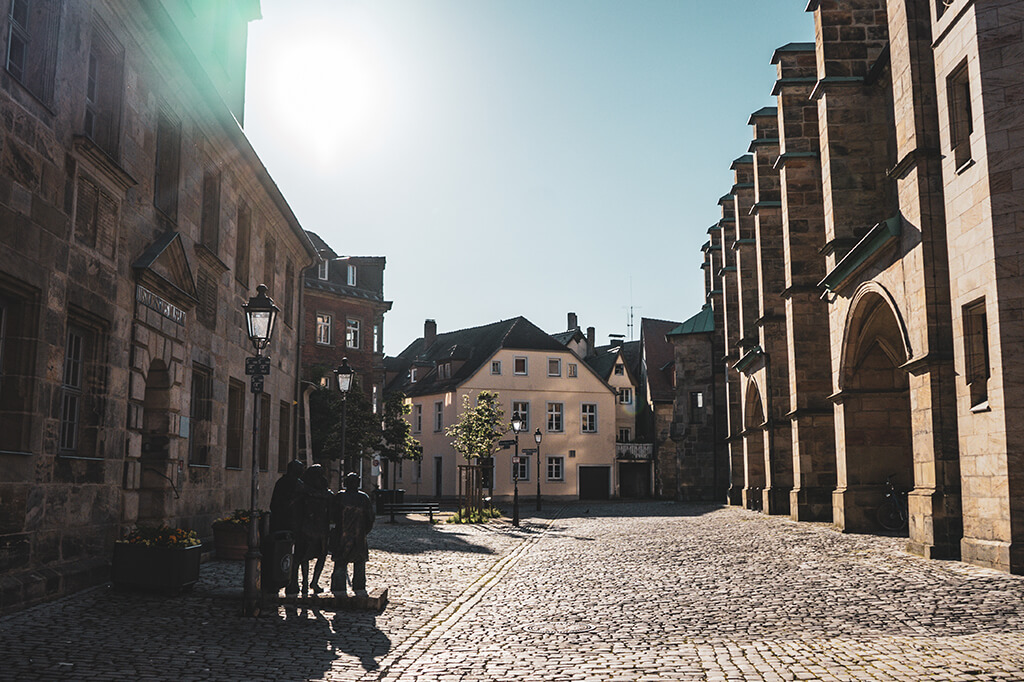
866 281
135 220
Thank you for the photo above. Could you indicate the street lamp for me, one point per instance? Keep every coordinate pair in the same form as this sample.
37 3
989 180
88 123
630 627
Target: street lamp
260 315
537 437
517 426
345 376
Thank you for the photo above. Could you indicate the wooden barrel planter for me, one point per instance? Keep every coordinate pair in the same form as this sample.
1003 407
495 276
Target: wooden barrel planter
230 541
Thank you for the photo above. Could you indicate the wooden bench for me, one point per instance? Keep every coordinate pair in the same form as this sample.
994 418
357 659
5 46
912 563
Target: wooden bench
412 508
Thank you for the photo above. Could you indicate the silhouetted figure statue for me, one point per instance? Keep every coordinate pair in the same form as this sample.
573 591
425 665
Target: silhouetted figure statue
311 541
352 513
286 511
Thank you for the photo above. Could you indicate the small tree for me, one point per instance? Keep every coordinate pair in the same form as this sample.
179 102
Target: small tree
475 435
397 443
362 427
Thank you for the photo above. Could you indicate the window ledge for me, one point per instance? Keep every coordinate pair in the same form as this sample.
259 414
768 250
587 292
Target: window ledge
981 407
964 166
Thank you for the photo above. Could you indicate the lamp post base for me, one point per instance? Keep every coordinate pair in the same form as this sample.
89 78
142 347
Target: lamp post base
252 601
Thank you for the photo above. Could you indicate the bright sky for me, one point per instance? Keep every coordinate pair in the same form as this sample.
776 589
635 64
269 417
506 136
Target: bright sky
515 157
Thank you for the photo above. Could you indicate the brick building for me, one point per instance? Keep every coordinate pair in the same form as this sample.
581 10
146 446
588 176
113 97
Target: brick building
869 282
135 220
343 316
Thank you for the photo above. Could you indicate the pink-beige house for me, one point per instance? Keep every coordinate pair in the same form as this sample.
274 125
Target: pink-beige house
557 394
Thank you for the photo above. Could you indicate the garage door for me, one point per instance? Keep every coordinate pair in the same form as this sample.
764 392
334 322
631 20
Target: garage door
595 483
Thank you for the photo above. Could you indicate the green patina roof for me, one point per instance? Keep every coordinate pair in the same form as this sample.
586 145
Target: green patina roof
701 323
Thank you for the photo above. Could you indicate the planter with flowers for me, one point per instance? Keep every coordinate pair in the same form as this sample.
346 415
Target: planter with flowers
231 535
157 558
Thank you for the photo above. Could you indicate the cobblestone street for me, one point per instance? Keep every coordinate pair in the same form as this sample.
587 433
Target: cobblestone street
617 591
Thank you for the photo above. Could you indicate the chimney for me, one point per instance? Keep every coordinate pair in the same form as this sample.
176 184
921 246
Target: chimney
590 340
429 333
573 322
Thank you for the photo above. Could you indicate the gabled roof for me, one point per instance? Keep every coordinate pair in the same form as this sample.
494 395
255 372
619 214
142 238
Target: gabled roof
473 347
659 355
567 337
604 358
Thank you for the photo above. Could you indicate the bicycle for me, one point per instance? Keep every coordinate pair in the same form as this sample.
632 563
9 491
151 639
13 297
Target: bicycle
892 513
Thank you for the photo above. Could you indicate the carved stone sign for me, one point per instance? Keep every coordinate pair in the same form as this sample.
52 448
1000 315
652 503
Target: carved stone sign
150 300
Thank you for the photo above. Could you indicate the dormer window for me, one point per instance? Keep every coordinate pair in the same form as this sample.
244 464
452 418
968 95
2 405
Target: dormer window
322 269
413 374
444 370
351 277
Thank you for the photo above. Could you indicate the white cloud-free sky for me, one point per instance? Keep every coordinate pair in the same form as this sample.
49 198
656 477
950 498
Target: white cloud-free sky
515 157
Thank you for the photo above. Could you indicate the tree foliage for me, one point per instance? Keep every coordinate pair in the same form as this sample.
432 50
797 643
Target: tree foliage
362 426
397 442
480 426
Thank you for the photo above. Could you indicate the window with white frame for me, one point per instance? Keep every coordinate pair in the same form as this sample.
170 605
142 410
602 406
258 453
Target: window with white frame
572 370
352 333
521 471
556 468
377 348
417 418
351 276
588 418
444 370
620 369
523 408
323 329
554 367
375 398
323 269
413 374
625 435
626 395
496 367
438 416
555 422
519 366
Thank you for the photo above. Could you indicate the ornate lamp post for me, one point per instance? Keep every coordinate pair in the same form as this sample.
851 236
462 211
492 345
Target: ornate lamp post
345 376
517 426
260 315
537 437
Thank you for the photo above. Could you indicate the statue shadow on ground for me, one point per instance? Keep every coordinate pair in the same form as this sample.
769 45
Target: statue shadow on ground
356 634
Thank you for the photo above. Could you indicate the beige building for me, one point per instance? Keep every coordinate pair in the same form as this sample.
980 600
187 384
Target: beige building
533 374
869 283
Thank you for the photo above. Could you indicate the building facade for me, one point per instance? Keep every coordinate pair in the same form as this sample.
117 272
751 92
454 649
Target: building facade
136 220
534 375
869 287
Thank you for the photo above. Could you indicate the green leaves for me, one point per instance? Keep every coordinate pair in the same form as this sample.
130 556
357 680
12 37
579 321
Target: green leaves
479 426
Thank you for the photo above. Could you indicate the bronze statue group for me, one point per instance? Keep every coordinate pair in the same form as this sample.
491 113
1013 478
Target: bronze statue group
323 521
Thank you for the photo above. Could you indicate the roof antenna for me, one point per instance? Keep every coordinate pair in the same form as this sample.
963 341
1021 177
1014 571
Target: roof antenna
629 323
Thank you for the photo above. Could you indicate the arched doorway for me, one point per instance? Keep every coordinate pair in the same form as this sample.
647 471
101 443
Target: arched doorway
875 404
753 449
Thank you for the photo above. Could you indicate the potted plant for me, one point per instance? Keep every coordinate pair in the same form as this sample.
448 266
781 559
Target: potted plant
156 558
231 535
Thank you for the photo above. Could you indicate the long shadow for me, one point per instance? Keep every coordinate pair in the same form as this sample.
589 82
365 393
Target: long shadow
637 508
415 539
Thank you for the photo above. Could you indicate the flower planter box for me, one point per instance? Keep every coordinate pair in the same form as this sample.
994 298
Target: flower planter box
165 569
230 541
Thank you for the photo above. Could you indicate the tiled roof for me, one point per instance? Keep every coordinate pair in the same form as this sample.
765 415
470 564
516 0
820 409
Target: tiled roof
473 346
660 357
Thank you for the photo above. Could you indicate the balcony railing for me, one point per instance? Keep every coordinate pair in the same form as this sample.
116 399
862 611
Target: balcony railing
634 450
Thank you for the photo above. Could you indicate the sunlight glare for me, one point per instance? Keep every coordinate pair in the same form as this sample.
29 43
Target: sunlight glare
329 95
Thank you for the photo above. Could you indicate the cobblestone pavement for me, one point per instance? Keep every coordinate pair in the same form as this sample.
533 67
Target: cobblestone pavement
609 592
